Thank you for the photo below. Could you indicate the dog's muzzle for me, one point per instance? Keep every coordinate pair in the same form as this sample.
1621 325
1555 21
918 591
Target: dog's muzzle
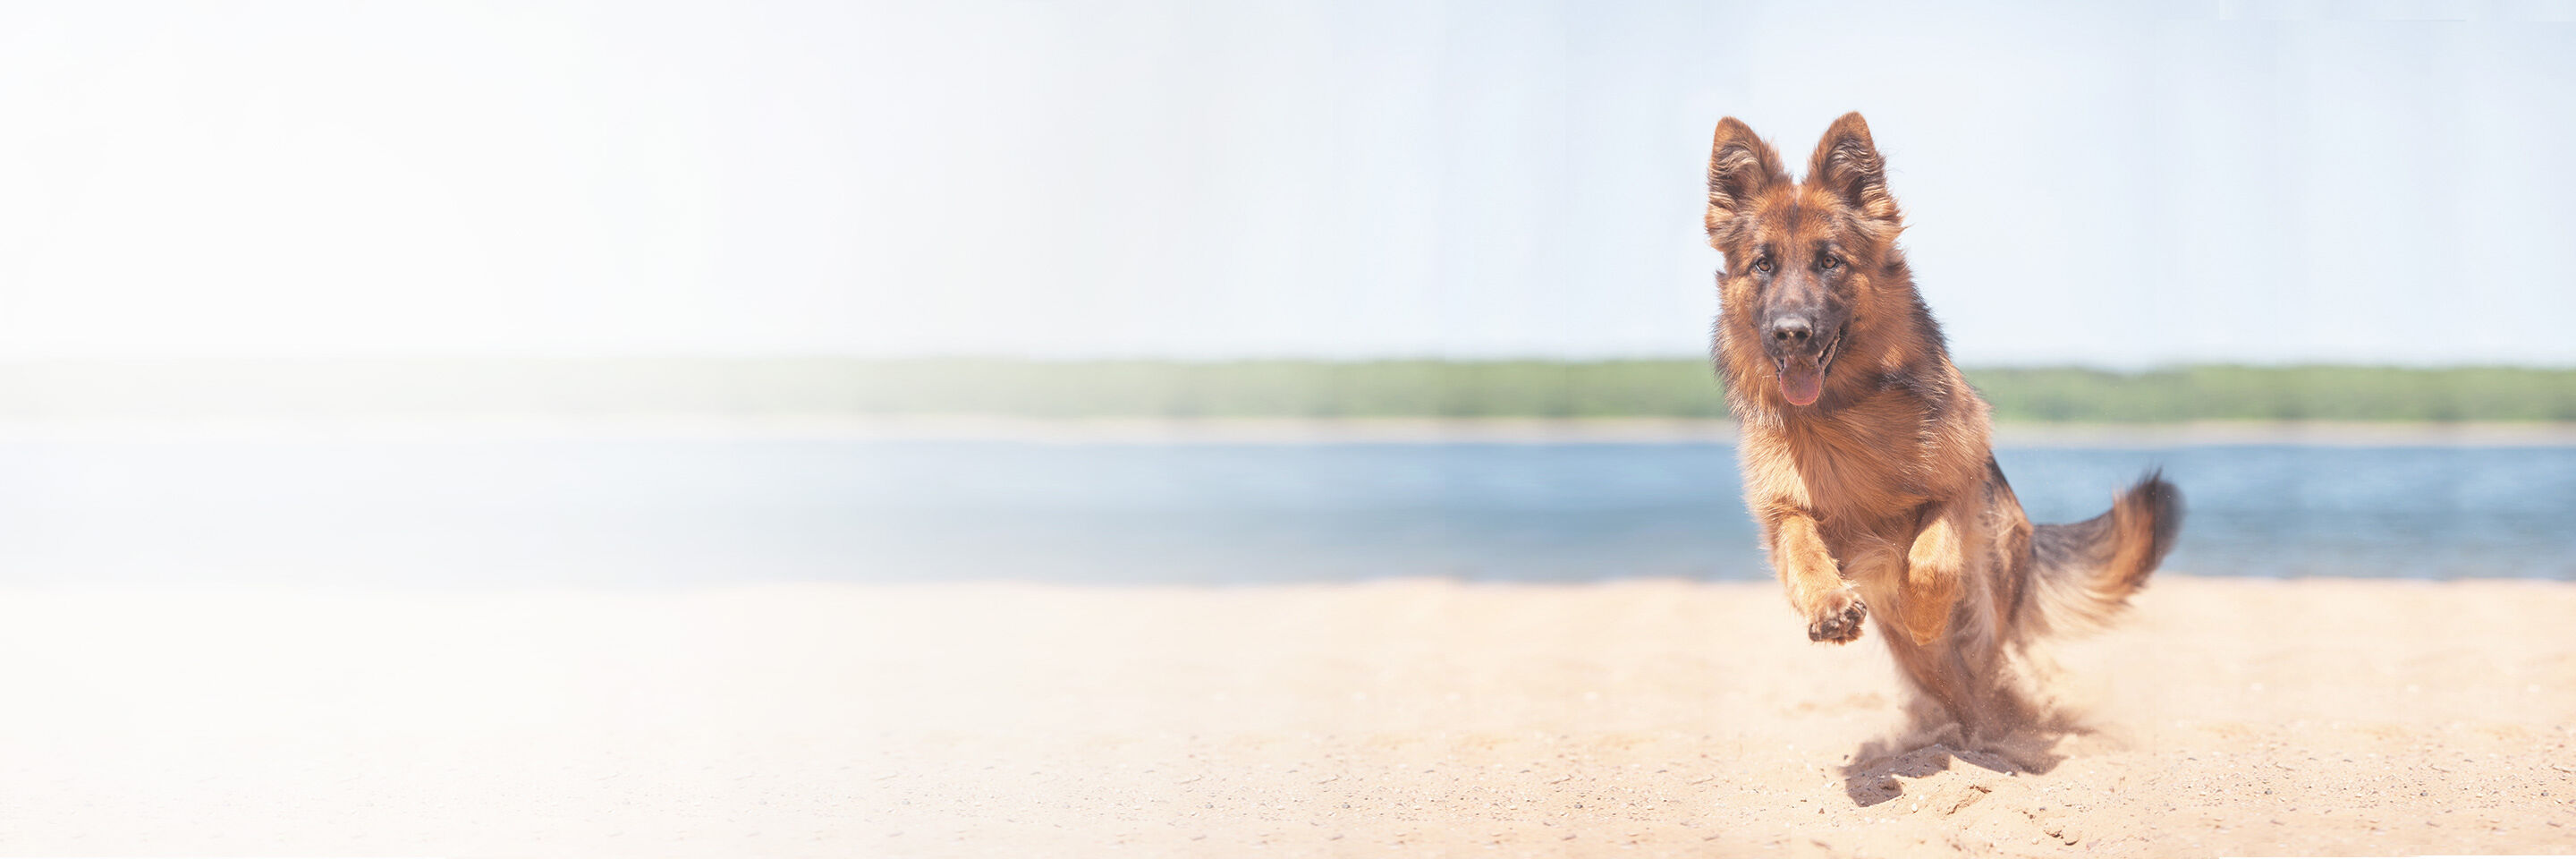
1801 356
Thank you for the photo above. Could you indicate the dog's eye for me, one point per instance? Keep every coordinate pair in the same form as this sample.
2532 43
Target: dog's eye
1831 263
1762 265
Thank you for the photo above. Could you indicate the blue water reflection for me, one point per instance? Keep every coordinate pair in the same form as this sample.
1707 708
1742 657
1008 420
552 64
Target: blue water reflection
664 512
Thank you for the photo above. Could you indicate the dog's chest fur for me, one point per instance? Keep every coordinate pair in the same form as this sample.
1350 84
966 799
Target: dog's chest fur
1869 465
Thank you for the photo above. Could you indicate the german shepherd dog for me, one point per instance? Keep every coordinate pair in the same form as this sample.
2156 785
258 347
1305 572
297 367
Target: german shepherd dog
1867 456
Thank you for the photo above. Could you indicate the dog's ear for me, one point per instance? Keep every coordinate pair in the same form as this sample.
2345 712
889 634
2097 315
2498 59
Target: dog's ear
1740 168
1846 164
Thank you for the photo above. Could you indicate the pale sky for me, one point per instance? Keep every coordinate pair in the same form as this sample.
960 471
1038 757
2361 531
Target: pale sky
2160 183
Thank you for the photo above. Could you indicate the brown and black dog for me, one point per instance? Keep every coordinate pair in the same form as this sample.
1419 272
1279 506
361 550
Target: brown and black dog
1865 453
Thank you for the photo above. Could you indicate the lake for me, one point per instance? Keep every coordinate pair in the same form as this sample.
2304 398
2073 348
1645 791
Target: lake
437 514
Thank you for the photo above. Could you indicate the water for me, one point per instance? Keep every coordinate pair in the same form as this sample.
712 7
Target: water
661 512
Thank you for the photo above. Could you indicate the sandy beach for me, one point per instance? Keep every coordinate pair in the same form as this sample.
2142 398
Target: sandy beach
1394 718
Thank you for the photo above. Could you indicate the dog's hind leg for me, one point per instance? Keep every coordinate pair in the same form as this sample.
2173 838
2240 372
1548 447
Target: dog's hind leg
1936 672
1963 671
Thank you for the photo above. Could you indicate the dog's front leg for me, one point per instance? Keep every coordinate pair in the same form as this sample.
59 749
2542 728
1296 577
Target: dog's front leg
1815 583
1934 568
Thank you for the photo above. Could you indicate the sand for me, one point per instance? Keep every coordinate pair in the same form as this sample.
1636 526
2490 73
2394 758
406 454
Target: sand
1397 718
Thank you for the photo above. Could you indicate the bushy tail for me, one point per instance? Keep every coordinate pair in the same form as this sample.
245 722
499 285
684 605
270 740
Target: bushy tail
2082 573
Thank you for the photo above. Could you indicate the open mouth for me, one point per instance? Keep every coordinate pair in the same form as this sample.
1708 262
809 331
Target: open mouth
1802 378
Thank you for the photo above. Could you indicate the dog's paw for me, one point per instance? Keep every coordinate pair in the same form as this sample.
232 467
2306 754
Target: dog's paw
1837 618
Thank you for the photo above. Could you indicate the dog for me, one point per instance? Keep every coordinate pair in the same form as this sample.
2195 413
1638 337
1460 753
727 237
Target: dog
1867 456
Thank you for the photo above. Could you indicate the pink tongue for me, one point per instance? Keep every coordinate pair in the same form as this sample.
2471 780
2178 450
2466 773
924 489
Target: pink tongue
1802 383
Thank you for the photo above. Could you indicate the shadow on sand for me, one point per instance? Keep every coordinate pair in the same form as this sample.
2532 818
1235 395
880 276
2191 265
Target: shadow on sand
1931 744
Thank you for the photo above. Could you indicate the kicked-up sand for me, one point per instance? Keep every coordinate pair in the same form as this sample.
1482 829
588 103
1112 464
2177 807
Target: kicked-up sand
1413 718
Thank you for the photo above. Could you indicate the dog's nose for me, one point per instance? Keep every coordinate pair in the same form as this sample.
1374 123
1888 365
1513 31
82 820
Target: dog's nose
1791 331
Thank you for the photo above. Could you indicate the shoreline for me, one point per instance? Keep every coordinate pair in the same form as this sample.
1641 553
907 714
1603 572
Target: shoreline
1153 431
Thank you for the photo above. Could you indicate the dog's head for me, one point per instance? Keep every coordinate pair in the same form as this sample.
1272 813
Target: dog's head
1805 261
